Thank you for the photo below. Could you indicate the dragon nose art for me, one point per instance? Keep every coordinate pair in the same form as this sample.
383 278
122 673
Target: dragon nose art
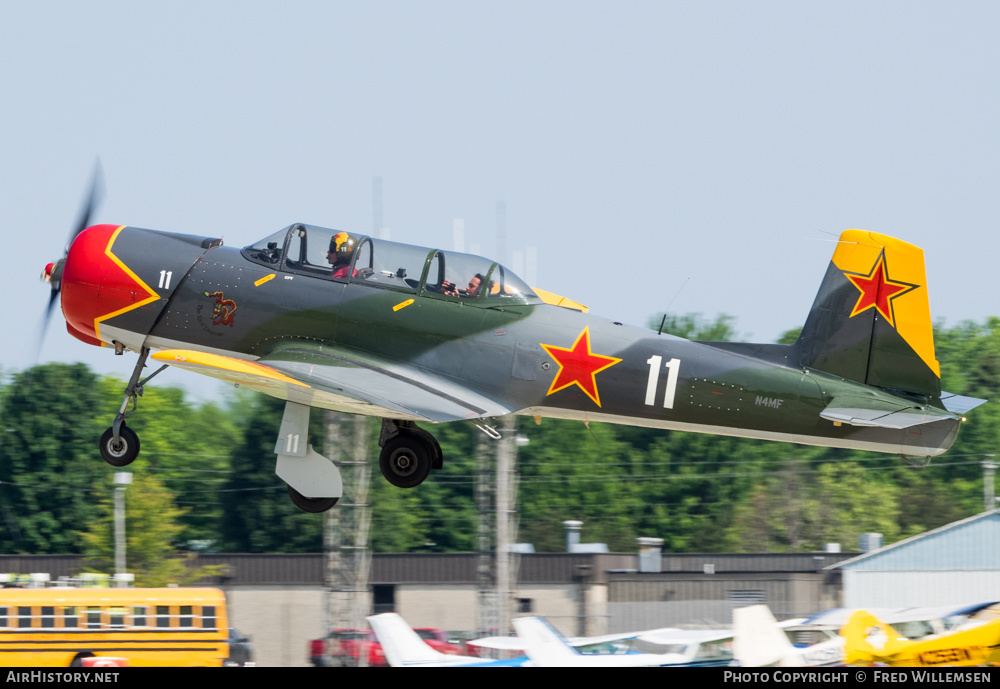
96 284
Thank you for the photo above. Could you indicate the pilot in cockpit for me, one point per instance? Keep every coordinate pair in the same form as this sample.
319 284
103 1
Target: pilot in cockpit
340 254
475 283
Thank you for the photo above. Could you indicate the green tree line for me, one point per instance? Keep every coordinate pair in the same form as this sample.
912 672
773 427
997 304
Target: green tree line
205 478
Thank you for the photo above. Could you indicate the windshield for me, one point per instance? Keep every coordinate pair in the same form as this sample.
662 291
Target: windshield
268 250
307 249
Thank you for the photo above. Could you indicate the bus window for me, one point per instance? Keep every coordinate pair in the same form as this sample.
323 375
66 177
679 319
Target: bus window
70 618
162 616
116 617
208 617
139 616
187 619
93 617
48 616
23 617
3 616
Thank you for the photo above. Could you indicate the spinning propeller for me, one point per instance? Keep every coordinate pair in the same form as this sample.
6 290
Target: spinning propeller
53 271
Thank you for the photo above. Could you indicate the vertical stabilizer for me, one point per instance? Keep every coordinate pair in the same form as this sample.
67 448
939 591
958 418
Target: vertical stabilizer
871 320
402 646
758 641
544 645
868 639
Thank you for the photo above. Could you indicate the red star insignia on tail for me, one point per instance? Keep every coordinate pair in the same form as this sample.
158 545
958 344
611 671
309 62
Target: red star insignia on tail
878 290
579 366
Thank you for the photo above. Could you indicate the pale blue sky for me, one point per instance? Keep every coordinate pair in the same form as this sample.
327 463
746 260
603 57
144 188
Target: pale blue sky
635 144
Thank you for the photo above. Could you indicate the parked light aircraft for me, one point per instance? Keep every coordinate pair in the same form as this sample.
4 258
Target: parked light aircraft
869 641
759 641
335 320
546 647
403 647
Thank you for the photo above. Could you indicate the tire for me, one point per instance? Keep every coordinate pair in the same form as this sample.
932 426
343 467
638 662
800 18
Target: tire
437 458
311 505
125 452
405 460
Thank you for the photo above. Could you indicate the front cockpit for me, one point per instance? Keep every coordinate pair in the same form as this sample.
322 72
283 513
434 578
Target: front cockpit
342 257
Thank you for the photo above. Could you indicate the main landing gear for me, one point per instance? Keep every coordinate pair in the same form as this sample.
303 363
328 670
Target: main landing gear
408 453
314 483
120 444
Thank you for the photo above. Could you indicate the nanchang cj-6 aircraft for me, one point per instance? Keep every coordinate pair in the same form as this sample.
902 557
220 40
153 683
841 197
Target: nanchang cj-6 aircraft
340 321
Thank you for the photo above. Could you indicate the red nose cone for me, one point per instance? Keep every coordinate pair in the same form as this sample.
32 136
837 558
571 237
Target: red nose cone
96 285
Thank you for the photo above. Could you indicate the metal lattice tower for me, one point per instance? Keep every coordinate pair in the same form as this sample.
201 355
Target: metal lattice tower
496 501
346 527
489 620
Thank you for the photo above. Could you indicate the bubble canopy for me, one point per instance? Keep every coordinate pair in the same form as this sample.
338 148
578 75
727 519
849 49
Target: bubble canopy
327 254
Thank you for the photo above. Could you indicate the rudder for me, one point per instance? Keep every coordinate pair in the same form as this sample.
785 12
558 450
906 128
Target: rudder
871 321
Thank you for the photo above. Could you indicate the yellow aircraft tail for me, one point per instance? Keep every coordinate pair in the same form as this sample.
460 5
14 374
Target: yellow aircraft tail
867 639
871 320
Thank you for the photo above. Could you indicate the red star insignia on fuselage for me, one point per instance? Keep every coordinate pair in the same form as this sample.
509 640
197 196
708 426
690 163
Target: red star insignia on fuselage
579 366
878 290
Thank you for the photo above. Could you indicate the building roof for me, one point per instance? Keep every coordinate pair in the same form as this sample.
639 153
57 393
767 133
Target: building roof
969 544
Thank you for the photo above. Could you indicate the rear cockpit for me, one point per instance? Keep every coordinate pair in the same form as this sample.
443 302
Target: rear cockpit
342 257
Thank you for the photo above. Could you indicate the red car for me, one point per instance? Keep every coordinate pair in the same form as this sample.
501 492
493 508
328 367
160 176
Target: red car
438 640
341 648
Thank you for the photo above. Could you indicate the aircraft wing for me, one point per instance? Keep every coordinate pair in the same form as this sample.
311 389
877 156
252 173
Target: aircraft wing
514 643
881 412
304 373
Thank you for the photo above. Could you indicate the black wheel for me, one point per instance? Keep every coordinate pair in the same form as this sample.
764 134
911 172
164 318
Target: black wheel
312 505
78 659
437 459
123 452
406 460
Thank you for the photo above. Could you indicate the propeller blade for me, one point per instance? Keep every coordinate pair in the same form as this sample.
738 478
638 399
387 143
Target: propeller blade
90 203
46 318
53 272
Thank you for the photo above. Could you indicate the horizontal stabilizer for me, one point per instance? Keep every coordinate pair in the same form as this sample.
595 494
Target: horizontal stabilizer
959 404
870 411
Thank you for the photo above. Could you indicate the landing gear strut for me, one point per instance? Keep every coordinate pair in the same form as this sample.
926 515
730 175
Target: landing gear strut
120 444
408 453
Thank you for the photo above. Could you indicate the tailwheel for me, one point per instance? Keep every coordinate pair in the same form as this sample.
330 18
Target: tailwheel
406 459
311 505
124 450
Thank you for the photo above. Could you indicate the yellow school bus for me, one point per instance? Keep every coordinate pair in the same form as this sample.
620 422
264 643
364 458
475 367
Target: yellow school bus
159 627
